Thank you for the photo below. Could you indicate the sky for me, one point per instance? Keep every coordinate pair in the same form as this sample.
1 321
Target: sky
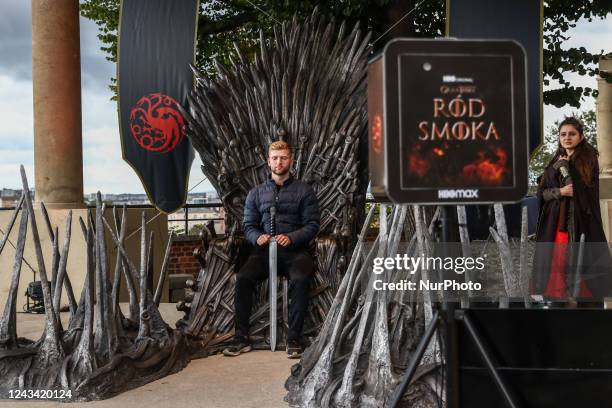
102 160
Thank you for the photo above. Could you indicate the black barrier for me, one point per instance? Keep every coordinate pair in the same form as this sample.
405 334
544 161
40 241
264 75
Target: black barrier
481 217
557 357
519 20
552 354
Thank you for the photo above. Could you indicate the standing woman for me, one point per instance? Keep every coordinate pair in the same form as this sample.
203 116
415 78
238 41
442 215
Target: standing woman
568 200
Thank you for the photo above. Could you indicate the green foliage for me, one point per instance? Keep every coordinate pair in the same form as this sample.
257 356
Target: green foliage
551 139
176 230
225 22
375 222
560 16
196 229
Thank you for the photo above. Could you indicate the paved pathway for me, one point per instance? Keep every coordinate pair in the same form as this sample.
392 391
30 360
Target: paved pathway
254 379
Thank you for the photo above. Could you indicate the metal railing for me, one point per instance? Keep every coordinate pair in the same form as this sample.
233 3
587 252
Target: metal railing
185 220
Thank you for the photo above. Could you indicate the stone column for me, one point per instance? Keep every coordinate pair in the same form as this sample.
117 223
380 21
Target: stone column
604 143
56 78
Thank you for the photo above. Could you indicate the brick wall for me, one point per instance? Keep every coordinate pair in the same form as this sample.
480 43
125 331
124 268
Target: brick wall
181 255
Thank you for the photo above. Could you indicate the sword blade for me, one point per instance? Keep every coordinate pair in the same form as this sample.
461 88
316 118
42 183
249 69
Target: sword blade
272 280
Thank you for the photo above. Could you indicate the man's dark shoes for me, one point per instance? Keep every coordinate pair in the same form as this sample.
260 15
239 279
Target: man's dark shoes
238 346
294 349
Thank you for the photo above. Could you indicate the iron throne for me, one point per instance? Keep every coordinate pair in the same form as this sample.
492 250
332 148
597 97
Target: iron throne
306 86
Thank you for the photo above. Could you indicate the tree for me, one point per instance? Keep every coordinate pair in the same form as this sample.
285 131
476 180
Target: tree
560 16
225 22
545 153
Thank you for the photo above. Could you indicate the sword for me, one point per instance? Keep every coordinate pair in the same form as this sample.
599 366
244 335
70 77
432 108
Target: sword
272 277
579 262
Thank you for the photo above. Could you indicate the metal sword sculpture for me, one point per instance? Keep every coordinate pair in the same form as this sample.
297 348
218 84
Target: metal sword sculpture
320 110
101 352
368 336
272 277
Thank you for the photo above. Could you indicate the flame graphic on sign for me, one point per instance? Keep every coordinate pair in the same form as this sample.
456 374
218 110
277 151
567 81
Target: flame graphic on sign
417 164
485 170
376 132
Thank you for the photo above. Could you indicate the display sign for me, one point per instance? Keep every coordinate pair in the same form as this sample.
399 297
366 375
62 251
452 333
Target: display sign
448 122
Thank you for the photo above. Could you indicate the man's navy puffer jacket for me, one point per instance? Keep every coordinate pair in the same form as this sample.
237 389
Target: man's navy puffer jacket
297 212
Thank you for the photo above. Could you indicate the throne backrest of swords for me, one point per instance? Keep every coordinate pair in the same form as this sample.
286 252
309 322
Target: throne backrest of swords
306 86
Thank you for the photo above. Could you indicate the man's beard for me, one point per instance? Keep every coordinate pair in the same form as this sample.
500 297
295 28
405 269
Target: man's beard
285 171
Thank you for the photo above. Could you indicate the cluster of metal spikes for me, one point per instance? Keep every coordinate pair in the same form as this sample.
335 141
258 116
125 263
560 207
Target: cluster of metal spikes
368 335
100 352
306 85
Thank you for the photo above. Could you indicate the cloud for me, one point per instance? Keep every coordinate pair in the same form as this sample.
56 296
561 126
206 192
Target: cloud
16 47
15 112
104 170
16 39
96 70
111 177
9 174
16 157
594 36
196 176
98 110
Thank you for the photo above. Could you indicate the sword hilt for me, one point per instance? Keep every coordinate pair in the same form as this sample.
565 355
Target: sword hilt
273 221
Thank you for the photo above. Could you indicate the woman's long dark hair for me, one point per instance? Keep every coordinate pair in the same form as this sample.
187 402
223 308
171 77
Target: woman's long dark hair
584 157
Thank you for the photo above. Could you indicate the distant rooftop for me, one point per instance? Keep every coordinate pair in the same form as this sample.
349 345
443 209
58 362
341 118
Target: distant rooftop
9 196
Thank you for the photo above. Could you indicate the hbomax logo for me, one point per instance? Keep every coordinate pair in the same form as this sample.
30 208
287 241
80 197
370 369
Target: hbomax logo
457 193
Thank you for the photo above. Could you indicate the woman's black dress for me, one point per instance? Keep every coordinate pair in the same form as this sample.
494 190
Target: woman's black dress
556 251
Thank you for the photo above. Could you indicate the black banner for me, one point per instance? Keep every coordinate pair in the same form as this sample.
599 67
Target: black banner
519 20
156 47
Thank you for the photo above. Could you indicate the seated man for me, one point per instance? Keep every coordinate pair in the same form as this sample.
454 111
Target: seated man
297 223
